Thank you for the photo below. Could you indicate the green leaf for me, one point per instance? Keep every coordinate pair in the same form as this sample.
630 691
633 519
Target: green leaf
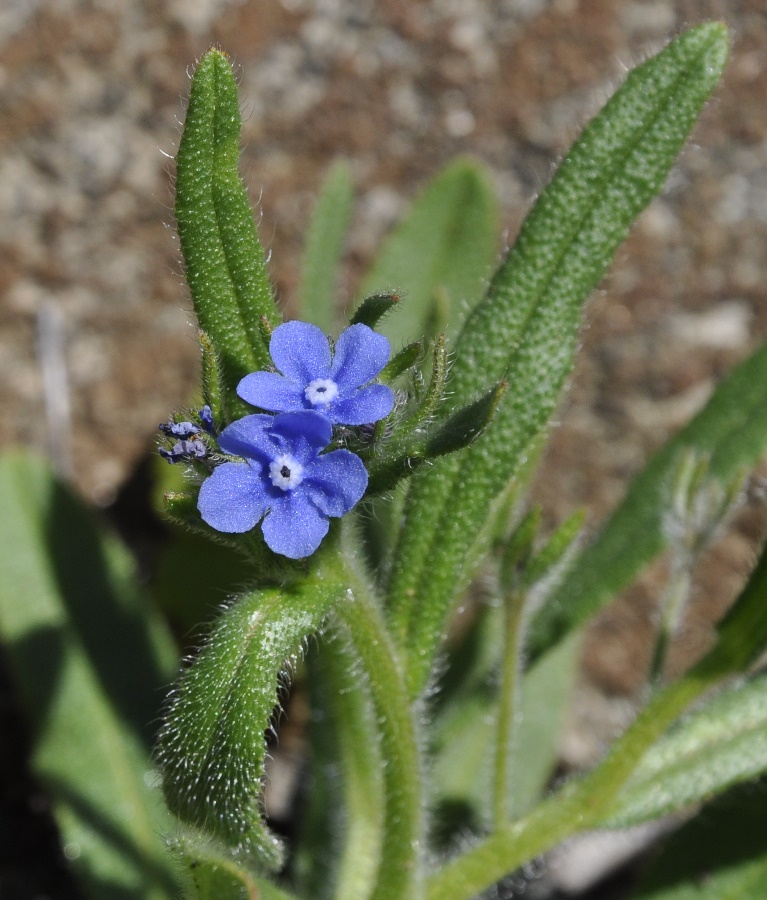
720 855
193 575
410 450
546 693
743 631
447 243
465 732
317 300
211 745
88 656
212 873
731 429
224 261
525 329
719 745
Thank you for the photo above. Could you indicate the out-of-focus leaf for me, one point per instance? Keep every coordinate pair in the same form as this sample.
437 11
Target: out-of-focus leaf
89 657
525 329
743 630
465 727
317 300
194 577
545 695
732 428
720 855
446 244
715 747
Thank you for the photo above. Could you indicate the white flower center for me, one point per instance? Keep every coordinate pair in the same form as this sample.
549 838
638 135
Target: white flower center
286 473
321 391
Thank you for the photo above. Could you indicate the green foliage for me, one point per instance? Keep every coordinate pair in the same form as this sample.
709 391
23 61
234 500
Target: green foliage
341 834
524 331
440 255
719 855
88 656
731 430
324 248
223 259
212 873
722 743
211 746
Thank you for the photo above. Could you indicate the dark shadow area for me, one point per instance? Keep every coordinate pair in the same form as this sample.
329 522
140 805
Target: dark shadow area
32 865
727 833
36 659
106 613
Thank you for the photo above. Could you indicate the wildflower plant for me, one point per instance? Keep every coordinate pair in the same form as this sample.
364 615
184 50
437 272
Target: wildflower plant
355 486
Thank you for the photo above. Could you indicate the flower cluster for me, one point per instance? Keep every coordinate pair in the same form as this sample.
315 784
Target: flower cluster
282 477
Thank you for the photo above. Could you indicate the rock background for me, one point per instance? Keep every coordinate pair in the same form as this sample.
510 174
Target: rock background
91 93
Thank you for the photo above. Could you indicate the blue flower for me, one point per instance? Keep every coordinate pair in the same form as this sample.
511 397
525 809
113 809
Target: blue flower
283 480
336 387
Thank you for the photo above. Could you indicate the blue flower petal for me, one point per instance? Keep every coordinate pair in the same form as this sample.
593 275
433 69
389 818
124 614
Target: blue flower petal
360 354
368 404
233 498
301 352
336 481
294 527
271 391
250 437
302 433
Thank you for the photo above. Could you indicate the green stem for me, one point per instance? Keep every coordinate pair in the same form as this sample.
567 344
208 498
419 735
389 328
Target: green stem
580 805
671 610
399 874
508 706
348 703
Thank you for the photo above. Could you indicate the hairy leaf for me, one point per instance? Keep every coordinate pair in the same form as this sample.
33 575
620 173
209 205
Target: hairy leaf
732 428
211 746
722 743
525 329
224 261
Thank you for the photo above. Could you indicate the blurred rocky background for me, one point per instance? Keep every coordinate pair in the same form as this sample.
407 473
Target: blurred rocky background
97 343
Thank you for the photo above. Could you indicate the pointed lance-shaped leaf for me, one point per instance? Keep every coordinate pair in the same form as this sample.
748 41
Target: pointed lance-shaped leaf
731 429
324 248
525 329
465 425
224 261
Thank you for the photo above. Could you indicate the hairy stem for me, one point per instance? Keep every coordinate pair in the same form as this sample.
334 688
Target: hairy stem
359 614
508 706
580 805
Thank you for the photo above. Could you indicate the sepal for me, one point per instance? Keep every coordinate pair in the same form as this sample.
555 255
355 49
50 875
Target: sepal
409 448
466 424
403 360
374 308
